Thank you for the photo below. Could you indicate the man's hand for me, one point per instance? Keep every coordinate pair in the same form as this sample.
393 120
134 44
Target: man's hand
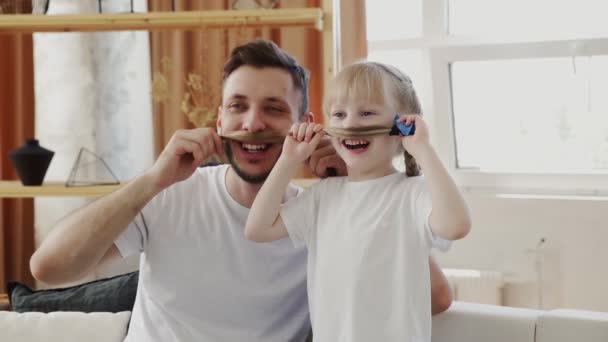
186 150
324 159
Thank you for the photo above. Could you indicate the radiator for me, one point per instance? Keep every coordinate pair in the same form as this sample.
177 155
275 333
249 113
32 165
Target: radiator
475 286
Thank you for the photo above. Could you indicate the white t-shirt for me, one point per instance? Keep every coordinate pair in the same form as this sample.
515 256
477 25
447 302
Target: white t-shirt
368 249
202 280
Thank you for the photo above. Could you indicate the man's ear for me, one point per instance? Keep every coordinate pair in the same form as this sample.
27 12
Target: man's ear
308 117
218 121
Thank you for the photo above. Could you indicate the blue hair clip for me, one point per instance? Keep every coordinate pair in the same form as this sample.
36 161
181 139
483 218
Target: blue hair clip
401 128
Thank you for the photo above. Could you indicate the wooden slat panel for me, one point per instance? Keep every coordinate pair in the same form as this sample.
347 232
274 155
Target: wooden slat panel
304 17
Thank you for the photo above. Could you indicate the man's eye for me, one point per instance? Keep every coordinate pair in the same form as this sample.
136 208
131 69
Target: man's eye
236 106
275 109
367 113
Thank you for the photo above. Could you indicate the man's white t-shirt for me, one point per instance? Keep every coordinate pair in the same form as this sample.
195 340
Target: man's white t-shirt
368 249
202 280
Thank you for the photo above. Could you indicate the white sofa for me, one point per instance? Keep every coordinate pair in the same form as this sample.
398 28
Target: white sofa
463 322
468 322
63 326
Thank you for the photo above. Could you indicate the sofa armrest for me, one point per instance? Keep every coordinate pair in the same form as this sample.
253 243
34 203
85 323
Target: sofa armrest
484 323
572 325
64 326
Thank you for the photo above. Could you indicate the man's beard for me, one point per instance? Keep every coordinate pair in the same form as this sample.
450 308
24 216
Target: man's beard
247 177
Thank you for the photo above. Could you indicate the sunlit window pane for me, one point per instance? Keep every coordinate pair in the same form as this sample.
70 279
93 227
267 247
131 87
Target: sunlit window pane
408 61
535 18
393 19
532 115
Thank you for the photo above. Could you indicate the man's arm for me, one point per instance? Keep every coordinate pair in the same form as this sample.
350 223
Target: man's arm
441 294
85 238
78 242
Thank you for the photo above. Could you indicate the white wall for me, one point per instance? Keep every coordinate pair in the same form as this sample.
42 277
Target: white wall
507 230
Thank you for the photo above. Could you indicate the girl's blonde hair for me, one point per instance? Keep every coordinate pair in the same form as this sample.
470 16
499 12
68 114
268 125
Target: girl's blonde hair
376 83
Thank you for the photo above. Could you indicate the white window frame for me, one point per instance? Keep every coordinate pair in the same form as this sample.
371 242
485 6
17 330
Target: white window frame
439 51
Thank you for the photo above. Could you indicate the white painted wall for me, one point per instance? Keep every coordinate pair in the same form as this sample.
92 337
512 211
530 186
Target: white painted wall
507 230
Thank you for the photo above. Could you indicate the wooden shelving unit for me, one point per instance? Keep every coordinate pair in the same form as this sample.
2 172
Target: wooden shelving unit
322 19
288 17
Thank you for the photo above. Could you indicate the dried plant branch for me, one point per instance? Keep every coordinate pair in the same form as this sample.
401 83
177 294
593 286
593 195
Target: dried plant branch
160 87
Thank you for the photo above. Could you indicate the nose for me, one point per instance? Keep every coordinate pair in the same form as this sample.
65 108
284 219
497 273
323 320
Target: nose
351 121
254 120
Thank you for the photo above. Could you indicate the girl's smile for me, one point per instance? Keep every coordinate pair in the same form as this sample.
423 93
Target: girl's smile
356 146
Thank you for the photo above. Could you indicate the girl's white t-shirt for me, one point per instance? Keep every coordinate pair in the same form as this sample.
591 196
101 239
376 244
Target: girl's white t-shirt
368 250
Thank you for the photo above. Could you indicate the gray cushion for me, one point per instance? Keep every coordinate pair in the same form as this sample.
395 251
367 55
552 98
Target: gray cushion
114 294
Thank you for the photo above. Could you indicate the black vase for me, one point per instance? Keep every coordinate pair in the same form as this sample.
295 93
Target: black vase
31 162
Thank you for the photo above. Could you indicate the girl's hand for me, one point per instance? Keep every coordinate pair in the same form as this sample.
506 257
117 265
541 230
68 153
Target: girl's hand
301 141
420 140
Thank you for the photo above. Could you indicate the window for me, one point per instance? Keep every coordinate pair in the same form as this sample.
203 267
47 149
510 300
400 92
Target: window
409 61
538 115
390 19
563 19
513 91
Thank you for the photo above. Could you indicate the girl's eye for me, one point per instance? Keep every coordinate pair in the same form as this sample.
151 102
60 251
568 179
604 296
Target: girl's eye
367 113
338 115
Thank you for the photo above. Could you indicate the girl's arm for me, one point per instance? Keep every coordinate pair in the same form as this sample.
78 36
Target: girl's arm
264 224
450 217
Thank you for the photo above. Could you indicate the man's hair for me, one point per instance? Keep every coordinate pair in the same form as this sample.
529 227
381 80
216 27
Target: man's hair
266 54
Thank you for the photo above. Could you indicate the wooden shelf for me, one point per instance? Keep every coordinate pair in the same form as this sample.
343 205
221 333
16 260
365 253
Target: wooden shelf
14 189
302 17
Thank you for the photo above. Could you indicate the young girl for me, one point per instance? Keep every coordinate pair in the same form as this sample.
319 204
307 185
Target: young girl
369 234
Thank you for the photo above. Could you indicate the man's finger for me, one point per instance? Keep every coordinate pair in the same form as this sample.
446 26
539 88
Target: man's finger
219 146
197 136
330 162
318 154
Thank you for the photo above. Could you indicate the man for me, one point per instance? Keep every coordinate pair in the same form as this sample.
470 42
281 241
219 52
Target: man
200 279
